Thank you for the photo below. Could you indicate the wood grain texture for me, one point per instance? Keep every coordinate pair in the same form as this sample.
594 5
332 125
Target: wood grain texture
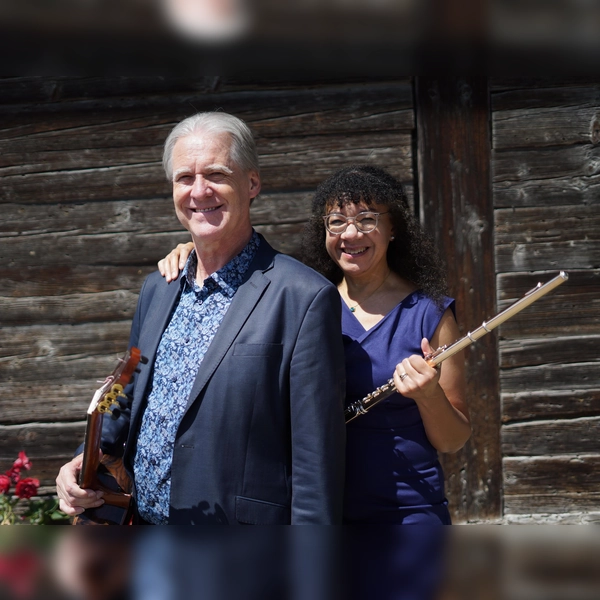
546 178
559 237
569 310
48 446
573 436
550 404
457 208
551 116
553 484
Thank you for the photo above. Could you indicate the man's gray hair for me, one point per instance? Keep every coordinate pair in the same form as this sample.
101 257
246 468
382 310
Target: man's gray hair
243 148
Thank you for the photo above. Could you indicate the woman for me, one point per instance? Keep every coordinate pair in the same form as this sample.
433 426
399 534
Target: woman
363 237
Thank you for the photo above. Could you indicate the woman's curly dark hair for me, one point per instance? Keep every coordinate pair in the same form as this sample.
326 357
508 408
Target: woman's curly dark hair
411 254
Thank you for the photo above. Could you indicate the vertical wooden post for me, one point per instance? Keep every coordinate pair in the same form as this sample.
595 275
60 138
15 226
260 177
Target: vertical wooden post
456 207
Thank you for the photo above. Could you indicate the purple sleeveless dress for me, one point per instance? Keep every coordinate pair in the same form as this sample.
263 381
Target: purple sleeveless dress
393 474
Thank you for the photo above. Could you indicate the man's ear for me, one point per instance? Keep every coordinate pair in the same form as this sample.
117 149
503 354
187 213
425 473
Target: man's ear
254 184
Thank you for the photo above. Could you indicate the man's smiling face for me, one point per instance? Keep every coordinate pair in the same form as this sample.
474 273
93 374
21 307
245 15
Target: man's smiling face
211 193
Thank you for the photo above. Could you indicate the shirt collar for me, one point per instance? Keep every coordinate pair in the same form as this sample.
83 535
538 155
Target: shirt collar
229 277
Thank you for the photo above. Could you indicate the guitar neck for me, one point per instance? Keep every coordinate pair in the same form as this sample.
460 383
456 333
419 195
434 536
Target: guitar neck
91 451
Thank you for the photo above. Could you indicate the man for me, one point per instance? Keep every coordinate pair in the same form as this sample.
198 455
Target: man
238 415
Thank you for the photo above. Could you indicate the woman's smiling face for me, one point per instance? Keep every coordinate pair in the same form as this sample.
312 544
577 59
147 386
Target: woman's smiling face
360 254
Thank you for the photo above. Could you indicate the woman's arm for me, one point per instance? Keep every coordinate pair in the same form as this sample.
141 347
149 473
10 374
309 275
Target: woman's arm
439 394
174 262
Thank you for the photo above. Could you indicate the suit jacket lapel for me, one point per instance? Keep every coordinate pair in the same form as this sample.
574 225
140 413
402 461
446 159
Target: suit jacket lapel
242 305
155 323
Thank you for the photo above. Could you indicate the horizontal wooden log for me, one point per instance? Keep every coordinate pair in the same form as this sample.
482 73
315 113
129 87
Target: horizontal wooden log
82 367
69 309
552 474
545 350
269 109
529 226
569 310
38 280
575 436
49 373
526 165
551 504
84 185
61 341
567 255
513 285
537 238
540 94
538 128
551 484
51 400
50 90
554 377
549 404
43 90
93 248
554 191
49 446
535 117
127 217
286 164
73 158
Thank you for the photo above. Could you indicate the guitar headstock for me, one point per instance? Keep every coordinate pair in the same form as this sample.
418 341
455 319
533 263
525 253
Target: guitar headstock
107 396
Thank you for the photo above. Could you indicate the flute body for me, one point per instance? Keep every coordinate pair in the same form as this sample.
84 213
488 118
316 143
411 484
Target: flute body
361 407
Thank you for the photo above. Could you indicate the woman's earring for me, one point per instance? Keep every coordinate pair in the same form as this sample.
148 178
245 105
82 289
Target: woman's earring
392 238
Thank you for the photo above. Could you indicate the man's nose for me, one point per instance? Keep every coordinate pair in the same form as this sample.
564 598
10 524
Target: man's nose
201 187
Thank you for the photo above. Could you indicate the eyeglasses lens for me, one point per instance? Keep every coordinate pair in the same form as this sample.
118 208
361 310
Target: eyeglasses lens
364 222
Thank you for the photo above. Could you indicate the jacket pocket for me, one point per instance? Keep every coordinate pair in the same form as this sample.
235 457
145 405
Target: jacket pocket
259 512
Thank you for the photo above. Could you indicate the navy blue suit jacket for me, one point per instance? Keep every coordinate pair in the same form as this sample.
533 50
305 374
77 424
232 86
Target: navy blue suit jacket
262 438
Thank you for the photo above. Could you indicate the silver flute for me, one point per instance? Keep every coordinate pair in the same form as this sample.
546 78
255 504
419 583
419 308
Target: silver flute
361 407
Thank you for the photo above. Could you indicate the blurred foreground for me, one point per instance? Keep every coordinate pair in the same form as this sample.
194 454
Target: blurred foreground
366 37
463 562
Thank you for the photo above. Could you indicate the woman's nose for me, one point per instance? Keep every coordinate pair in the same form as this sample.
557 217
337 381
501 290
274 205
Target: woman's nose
350 232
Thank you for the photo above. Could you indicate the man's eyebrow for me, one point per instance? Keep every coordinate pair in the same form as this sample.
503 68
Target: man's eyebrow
181 171
208 169
218 167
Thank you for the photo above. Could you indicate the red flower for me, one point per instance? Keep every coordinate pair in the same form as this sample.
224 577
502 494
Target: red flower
5 482
14 473
22 462
28 487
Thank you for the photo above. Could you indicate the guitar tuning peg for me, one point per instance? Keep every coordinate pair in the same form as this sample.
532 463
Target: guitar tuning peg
143 360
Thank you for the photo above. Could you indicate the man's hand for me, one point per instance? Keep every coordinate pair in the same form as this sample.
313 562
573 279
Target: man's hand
73 499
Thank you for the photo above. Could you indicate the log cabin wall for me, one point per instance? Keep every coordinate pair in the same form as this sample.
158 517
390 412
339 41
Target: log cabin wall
87 213
546 184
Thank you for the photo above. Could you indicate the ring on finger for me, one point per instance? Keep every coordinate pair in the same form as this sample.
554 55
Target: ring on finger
403 376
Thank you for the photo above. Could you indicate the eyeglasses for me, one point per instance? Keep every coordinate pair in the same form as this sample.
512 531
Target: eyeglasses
364 222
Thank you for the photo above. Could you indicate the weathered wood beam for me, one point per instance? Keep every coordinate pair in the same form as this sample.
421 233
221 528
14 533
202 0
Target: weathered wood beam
537 438
454 157
552 484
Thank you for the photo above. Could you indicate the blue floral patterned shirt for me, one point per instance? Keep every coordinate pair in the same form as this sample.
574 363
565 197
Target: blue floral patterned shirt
184 343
